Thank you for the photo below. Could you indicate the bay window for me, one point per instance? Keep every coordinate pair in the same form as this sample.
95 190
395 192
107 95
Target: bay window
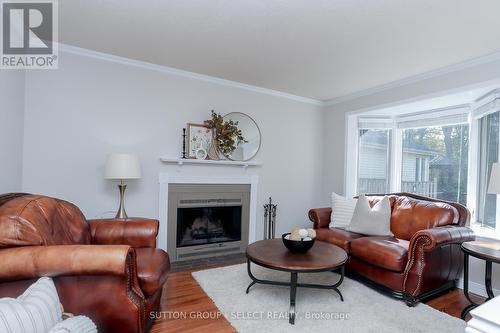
444 153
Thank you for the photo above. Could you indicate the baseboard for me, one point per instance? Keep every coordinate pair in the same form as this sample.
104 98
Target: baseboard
476 288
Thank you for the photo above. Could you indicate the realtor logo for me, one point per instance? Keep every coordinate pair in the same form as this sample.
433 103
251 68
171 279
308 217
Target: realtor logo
29 35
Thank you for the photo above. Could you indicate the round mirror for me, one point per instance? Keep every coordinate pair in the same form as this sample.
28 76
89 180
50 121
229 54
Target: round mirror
244 150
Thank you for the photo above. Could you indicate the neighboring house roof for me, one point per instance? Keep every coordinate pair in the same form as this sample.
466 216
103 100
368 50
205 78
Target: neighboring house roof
377 138
440 160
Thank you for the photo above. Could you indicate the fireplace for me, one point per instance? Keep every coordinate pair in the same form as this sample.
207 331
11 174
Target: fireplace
207 219
208 225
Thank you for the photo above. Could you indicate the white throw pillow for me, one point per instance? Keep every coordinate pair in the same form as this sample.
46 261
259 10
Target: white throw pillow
342 210
77 324
374 221
37 310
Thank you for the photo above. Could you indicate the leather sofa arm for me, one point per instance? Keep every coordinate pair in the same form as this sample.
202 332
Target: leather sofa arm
133 232
320 217
439 236
30 262
426 251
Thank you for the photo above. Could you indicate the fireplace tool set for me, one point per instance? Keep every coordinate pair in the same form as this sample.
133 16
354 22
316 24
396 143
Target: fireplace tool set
269 219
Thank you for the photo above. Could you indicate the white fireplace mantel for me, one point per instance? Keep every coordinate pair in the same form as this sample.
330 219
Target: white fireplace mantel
167 178
182 161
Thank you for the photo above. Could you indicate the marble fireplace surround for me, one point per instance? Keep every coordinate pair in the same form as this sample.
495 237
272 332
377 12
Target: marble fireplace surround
168 178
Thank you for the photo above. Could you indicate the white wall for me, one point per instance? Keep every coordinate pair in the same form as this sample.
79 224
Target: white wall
334 155
89 107
11 129
335 127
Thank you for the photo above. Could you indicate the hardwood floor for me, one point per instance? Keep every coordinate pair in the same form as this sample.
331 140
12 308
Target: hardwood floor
182 296
198 264
453 302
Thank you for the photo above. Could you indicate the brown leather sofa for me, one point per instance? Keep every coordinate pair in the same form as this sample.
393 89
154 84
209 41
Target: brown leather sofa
422 259
109 271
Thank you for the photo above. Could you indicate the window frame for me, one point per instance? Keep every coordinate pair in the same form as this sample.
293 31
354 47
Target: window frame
351 162
484 106
475 178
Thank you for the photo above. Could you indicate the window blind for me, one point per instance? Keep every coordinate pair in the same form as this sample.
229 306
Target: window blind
375 122
438 117
487 104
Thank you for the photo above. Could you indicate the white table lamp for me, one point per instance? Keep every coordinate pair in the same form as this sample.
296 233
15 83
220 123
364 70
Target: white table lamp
121 167
494 186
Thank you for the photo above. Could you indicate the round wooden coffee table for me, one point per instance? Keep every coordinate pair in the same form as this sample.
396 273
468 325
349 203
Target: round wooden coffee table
322 257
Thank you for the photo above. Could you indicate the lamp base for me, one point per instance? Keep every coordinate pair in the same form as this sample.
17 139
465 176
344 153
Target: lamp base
122 214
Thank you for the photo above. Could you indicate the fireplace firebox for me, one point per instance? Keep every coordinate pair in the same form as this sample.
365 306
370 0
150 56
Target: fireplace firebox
207 225
207 219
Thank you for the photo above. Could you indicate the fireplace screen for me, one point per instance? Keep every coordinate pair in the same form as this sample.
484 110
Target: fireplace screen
206 225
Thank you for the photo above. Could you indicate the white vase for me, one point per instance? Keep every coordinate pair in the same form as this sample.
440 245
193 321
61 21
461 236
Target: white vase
213 152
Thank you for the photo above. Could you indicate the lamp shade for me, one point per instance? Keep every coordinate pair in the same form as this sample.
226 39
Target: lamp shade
122 166
494 186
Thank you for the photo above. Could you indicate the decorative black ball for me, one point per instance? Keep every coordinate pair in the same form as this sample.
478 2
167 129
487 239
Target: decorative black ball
297 246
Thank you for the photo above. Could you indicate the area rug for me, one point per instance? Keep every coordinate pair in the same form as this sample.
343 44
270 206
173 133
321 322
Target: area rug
265 308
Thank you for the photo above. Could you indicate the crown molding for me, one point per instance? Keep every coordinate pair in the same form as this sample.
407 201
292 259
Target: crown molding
440 93
234 84
183 73
416 78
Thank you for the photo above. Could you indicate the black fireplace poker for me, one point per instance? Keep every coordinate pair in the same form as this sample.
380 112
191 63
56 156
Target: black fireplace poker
184 143
270 219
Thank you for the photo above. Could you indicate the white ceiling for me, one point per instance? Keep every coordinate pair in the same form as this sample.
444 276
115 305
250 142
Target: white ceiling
313 48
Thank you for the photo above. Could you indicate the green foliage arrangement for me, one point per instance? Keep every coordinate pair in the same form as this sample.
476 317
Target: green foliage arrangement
227 136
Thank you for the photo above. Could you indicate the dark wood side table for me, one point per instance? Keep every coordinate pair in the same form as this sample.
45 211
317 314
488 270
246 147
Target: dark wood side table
322 257
489 251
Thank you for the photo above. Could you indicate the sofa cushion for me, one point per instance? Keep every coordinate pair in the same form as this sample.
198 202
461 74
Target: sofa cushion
410 215
40 220
385 252
153 266
37 310
371 220
339 237
76 324
342 211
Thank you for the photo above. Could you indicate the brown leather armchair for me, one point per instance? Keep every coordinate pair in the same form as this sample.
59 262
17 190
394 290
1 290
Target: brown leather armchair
110 271
422 259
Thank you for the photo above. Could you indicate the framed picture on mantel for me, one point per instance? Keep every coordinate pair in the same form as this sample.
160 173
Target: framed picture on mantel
197 136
